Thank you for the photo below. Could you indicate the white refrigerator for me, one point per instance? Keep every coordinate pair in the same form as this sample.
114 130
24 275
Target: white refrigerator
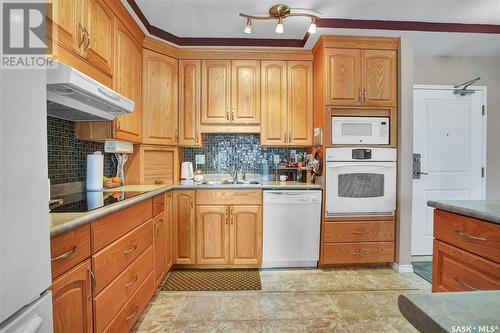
25 275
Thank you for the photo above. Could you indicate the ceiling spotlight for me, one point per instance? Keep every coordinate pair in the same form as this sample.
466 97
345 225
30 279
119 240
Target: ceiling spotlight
312 27
279 27
248 27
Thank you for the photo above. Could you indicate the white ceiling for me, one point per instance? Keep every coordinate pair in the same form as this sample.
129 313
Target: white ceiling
219 18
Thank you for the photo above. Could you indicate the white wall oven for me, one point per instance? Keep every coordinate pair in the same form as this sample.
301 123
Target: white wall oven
360 181
360 130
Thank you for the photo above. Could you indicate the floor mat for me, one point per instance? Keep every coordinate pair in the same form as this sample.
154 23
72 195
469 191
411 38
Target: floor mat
423 269
224 279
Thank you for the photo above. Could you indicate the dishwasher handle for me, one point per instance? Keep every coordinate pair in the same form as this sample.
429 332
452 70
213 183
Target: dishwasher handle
292 198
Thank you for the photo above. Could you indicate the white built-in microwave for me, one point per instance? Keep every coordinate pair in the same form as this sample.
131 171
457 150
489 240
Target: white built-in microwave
360 130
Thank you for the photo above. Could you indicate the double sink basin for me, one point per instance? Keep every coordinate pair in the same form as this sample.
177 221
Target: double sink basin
230 182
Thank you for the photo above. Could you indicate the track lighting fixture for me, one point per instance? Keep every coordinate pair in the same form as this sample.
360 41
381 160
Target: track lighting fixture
279 12
248 27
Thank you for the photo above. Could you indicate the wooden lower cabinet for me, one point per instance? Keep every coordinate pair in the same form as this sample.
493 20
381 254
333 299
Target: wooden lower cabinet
159 243
245 235
466 253
212 235
72 300
169 239
184 227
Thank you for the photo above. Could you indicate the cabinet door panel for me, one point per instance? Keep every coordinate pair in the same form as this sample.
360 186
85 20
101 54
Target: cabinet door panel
127 78
189 103
169 258
343 82
66 27
300 103
245 91
72 301
184 224
160 99
380 77
212 243
159 243
216 91
100 26
246 235
274 97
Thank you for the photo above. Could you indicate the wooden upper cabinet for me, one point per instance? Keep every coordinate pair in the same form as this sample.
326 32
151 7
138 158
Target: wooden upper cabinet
212 235
216 91
72 300
66 28
273 103
359 77
160 99
99 25
184 227
379 77
189 103
300 103
127 80
245 91
343 83
246 235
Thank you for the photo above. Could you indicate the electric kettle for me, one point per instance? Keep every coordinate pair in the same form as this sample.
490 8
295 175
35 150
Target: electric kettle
187 173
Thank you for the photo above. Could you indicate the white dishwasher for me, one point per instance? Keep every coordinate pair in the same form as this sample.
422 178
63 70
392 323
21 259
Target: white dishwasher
291 230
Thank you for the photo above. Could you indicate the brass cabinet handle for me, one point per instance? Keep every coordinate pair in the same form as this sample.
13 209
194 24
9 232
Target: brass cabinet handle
285 137
227 113
232 114
360 96
365 95
192 204
467 236
117 124
65 255
134 280
133 248
82 35
359 252
88 40
360 232
463 284
196 136
289 137
231 215
228 214
133 314
92 279
176 135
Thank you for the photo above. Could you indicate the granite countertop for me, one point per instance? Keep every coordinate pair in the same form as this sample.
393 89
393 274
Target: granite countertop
63 222
488 210
441 312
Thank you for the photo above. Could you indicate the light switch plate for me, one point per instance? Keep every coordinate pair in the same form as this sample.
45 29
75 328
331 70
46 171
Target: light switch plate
200 159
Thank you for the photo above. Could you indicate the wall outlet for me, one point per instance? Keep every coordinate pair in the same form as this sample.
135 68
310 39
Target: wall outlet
200 159
276 159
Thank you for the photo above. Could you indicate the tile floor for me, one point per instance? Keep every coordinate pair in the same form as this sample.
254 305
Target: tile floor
302 300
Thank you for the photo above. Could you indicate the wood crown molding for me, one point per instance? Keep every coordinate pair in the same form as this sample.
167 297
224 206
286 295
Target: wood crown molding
124 16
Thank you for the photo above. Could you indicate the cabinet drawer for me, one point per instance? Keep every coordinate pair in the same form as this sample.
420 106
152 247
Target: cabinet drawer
132 310
114 258
111 227
69 249
109 302
457 270
476 236
354 253
345 232
158 204
228 197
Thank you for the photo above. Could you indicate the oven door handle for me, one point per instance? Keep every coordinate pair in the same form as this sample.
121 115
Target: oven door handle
388 165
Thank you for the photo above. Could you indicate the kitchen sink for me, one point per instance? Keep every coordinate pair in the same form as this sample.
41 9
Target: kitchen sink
230 182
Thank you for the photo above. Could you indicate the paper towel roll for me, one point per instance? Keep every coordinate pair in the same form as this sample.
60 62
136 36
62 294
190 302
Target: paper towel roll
95 166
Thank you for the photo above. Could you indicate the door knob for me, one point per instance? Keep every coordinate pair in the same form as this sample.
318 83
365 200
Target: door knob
418 173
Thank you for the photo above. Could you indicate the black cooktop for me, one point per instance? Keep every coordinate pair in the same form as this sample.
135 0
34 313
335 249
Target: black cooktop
87 201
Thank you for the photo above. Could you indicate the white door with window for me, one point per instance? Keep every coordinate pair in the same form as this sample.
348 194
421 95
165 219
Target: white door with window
449 133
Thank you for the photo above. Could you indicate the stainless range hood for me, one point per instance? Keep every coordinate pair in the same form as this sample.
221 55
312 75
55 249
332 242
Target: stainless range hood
75 96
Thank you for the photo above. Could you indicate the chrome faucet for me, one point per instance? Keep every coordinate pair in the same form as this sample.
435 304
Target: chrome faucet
232 173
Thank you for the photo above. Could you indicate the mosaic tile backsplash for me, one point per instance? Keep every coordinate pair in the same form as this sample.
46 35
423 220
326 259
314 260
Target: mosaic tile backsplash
67 156
240 151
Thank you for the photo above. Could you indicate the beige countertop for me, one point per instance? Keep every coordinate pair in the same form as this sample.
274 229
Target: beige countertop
63 222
